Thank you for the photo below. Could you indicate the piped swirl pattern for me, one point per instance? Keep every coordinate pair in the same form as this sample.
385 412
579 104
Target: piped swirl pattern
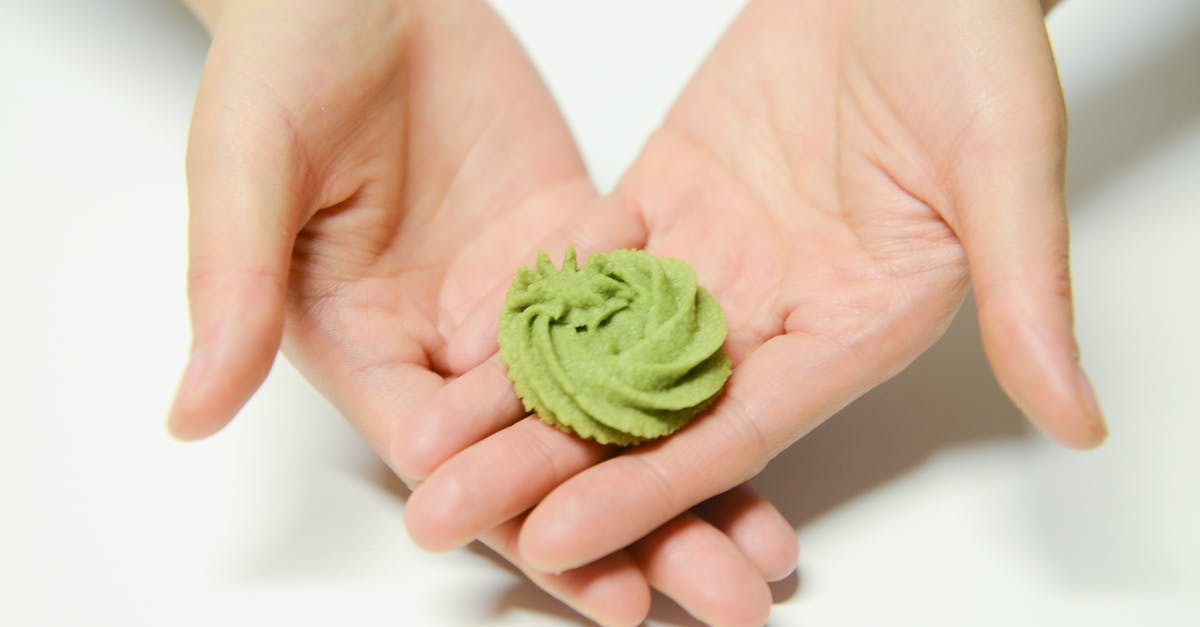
626 349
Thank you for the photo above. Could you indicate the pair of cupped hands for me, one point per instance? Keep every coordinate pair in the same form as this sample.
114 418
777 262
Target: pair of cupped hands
365 177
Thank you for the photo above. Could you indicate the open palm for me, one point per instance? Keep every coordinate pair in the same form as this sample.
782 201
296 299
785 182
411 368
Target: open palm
837 173
372 174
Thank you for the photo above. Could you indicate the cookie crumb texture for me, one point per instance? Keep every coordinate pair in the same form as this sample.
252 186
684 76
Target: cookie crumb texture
626 349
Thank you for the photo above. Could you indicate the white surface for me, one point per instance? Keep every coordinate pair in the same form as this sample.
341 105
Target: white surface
926 503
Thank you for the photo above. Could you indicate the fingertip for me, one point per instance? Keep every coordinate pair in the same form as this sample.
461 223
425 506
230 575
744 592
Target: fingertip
1085 432
774 550
619 599
415 453
757 528
1075 430
777 565
1088 439
223 372
182 421
425 439
1096 435
1094 431
1082 429
185 426
747 604
544 545
757 608
429 516
195 414
1034 356
610 591
695 564
1055 396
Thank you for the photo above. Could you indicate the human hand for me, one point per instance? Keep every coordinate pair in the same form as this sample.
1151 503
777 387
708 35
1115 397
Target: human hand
373 171
837 173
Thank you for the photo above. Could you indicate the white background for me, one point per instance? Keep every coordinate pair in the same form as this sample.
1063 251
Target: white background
928 502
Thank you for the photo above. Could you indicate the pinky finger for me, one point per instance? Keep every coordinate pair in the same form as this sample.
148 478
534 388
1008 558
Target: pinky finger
762 534
695 564
610 590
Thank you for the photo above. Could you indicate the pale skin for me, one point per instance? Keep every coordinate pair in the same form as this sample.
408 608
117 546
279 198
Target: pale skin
365 178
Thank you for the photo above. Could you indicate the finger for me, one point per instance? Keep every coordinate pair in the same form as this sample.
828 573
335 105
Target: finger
464 411
1013 224
1023 293
246 196
494 481
784 389
758 530
695 564
610 591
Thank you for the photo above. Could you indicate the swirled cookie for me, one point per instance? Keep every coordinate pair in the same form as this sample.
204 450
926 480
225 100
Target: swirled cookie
625 349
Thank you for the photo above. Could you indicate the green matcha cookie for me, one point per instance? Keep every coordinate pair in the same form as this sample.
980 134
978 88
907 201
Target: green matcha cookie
623 350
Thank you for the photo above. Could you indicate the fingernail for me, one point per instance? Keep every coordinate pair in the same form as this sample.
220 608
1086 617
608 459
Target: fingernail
1088 395
193 374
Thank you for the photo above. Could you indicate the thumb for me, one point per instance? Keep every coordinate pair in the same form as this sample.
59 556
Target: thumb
1014 228
245 195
